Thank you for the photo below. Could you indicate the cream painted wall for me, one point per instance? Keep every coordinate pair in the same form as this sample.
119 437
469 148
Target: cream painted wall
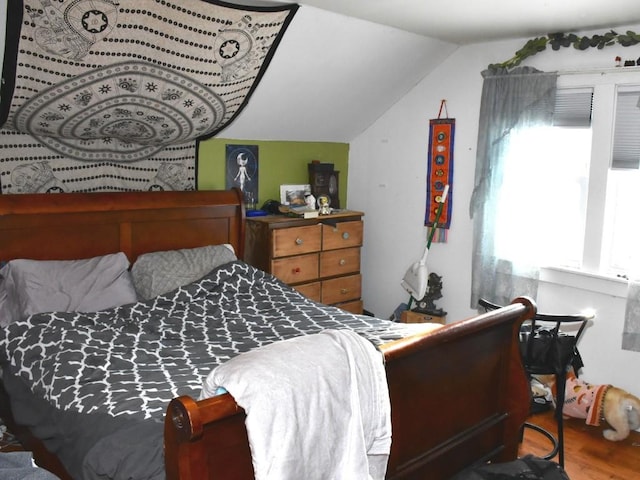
387 181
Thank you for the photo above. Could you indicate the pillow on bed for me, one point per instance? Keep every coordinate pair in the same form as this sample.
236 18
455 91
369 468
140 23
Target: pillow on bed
88 285
156 273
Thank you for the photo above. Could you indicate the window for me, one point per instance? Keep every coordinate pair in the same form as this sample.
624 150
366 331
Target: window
621 230
572 190
544 196
621 227
545 183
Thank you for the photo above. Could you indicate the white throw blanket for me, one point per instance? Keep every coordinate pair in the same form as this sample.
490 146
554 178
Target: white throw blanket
317 407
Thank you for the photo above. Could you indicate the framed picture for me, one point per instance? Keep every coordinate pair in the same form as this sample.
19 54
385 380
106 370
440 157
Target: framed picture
294 194
242 172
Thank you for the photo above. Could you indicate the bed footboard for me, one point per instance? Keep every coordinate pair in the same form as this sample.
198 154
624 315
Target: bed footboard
459 396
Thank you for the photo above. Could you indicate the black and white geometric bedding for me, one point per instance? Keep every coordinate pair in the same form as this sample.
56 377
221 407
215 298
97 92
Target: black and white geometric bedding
132 360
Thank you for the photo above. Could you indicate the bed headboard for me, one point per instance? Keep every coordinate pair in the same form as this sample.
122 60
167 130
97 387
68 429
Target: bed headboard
67 226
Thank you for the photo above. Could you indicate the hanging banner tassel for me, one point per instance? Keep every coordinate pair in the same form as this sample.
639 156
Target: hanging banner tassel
441 235
440 173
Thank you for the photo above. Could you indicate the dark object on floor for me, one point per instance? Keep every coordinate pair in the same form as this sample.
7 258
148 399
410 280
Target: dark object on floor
525 468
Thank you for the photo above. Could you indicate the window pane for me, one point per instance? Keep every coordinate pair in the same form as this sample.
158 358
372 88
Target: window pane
621 232
626 141
573 107
541 214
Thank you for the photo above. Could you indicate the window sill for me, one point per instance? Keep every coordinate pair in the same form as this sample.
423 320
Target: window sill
592 282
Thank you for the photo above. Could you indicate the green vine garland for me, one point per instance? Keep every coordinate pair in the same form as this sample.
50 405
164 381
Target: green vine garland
557 40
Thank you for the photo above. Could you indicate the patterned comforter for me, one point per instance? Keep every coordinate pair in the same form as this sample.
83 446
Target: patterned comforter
107 377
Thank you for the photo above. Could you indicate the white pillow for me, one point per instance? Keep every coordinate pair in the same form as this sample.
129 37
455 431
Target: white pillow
88 285
157 273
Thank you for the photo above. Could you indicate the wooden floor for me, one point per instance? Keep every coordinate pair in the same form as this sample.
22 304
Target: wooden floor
587 454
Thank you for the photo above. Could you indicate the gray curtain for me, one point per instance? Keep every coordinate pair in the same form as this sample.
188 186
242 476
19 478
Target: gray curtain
631 331
522 98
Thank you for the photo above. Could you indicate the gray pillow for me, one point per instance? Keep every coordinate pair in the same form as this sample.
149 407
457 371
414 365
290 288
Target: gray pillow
88 285
157 273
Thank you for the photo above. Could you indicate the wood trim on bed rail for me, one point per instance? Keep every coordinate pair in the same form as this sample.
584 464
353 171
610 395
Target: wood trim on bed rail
69 226
522 306
459 396
106 201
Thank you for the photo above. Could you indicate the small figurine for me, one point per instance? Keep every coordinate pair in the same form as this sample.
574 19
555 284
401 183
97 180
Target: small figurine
324 203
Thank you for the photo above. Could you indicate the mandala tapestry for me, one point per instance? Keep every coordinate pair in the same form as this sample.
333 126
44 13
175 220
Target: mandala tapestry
114 95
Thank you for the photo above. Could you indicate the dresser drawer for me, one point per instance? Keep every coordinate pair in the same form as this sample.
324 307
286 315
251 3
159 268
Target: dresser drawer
341 289
342 235
339 262
298 269
296 240
319 257
310 290
354 306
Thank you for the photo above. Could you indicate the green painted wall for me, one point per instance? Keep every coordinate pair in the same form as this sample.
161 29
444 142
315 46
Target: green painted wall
279 163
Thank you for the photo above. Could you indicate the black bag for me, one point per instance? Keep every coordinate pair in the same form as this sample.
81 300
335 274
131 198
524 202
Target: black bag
551 350
525 468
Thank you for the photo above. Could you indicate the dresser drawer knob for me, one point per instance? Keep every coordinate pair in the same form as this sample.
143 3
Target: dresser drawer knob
298 241
342 262
344 291
295 270
345 235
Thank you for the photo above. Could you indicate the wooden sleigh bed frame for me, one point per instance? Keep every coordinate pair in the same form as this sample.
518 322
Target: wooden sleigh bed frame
459 395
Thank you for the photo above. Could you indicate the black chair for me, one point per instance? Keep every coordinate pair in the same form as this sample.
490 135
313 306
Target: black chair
548 343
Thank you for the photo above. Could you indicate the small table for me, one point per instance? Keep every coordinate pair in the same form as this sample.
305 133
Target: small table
410 316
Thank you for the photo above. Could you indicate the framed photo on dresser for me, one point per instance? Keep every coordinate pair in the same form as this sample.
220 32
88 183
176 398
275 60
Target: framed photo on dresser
294 194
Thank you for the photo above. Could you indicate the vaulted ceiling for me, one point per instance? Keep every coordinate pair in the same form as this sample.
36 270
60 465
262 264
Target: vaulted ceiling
343 63
465 21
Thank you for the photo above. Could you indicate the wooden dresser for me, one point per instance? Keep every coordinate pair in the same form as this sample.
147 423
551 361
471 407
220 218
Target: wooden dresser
320 257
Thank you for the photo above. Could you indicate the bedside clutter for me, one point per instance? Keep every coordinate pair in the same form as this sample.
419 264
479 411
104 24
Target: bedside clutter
425 310
9 443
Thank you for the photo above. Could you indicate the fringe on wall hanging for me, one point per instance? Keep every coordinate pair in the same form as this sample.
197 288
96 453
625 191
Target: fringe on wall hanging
440 172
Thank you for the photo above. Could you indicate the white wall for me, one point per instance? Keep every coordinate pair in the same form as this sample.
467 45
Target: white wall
332 76
387 180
